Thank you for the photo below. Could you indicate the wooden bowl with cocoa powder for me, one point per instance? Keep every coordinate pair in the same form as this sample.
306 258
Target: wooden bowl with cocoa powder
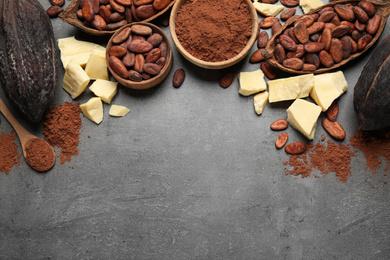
146 82
69 15
253 20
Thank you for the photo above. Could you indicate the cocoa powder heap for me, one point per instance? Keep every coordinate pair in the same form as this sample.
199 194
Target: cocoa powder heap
9 155
213 30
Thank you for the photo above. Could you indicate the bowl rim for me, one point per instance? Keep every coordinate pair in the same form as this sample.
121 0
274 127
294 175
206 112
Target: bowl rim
149 83
218 64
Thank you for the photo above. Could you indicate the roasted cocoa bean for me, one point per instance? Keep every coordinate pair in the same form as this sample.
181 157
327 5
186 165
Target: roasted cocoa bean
359 26
139 46
57 2
160 4
88 12
116 17
299 53
326 59
295 148
276 26
279 124
326 16
360 14
373 24
145 11
117 51
288 43
334 129
142 2
105 13
293 63
268 70
286 14
368 7
121 36
152 69
153 55
279 53
308 67
117 7
257 56
336 50
314 47
312 58
340 31
301 33
227 79
178 77
135 76
99 23
316 27
164 49
124 2
139 63
344 12
155 39
267 22
129 59
281 140
118 67
332 111
364 41
141 29
114 26
161 62
346 42
262 39
54 11
326 38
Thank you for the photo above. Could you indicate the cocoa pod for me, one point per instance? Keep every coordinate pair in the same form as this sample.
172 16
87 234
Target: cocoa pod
28 63
281 140
227 79
295 148
279 124
371 96
334 128
178 77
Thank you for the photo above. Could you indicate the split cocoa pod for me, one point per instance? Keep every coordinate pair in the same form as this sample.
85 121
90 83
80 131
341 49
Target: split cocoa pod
139 55
104 17
327 37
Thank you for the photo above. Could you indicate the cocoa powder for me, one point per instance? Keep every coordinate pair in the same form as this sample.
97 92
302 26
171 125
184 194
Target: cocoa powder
9 155
213 30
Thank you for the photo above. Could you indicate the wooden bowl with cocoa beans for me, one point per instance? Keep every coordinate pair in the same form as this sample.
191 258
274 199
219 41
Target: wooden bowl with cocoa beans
211 18
139 55
104 17
327 37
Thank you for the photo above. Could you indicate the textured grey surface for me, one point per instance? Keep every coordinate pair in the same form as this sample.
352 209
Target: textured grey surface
190 173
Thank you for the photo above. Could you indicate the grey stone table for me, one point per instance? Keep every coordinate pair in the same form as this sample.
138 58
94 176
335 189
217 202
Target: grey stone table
190 173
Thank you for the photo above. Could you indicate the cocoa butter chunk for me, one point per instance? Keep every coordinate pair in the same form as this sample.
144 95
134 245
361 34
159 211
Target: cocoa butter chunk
290 88
93 110
251 82
260 101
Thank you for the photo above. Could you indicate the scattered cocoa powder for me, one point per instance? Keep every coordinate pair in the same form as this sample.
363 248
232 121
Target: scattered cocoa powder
9 155
62 126
213 30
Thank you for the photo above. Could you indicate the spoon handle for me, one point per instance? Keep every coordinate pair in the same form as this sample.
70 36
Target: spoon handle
23 134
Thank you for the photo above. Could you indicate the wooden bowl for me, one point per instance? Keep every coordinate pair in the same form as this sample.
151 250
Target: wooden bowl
69 16
219 64
382 8
144 84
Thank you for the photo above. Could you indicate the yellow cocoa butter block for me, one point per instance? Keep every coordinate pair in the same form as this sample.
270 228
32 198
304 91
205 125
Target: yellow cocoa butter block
259 102
96 67
309 5
93 109
117 111
290 88
75 80
268 9
327 88
251 82
104 89
303 116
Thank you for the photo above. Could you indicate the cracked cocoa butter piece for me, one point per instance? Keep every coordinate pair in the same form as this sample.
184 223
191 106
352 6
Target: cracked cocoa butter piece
295 148
178 77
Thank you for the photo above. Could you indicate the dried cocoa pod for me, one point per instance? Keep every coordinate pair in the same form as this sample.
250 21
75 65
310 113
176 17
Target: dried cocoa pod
286 14
262 39
279 124
268 70
281 140
178 77
334 128
257 56
28 63
371 95
227 79
295 148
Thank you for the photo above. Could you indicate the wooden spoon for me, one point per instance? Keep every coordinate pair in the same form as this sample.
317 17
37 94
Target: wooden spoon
382 8
26 139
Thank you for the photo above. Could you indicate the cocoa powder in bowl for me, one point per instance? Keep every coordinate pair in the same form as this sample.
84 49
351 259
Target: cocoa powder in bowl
214 31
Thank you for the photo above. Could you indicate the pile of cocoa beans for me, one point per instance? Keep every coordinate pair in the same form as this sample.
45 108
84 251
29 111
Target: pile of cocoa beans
113 14
137 53
326 38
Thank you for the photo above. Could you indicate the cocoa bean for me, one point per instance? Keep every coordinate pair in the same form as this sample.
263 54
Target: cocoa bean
316 27
152 69
315 37
281 140
326 59
279 124
267 22
336 50
124 2
333 128
142 2
117 7
326 16
312 58
314 47
344 12
117 25
153 55
364 41
276 26
145 11
359 26
279 53
178 77
99 23
116 17
325 9
117 51
88 12
164 49
340 31
288 43
262 39
161 4
105 13
57 2
290 33
368 7
139 46
146 76
336 20
332 111
373 24
54 11
129 59
268 70
126 43
128 16
354 47
227 79
308 67
293 63
121 36
286 14
301 33
135 76
155 39
299 53
346 42
139 63
141 29
289 3
161 62
257 56
330 26
295 148
360 14
118 67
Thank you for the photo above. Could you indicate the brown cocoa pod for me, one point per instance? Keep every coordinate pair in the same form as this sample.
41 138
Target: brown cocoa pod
326 59
326 16
164 49
287 13
257 56
344 12
279 124
336 50
293 63
153 55
308 67
364 41
141 29
118 67
340 31
268 70
373 24
288 43
105 13
346 42
117 25
312 58
99 23
178 77
116 17
316 27
281 140
139 46
332 111
117 7
279 53
359 26
135 76
267 22
289 3
121 36
142 2
314 47
350 25
368 7
299 53
301 33
333 128
129 59
360 14
295 148
145 11
54 11
161 62
57 2
155 39
139 63
161 4
227 79
262 39
117 51
326 38
152 69
88 12
124 2
276 26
